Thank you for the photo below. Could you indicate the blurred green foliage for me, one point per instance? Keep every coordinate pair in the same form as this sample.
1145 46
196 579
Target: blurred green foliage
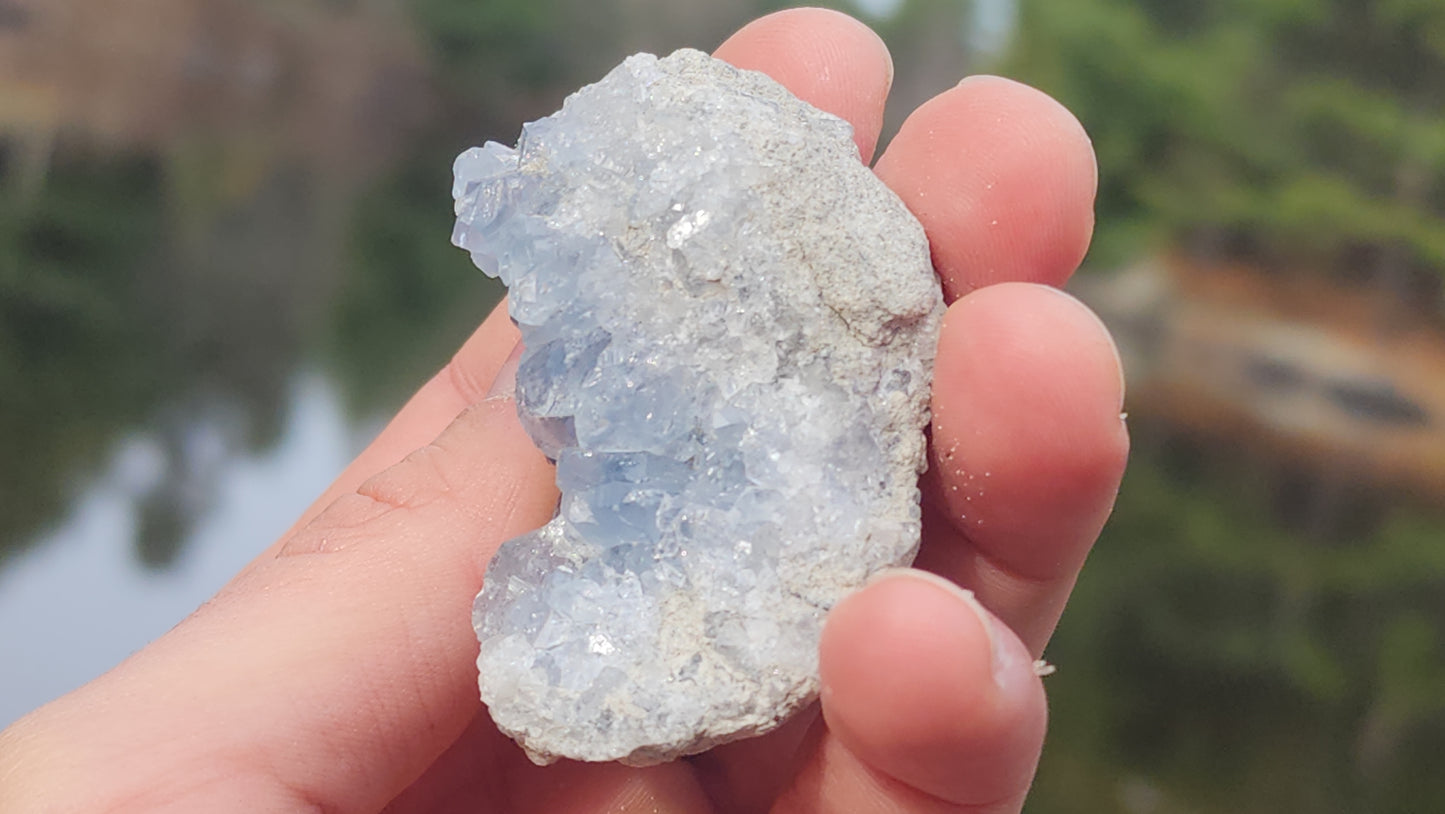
1288 132
517 43
121 310
1227 664
1227 651
80 353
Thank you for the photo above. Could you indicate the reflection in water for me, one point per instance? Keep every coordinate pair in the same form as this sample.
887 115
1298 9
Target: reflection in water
79 602
107 326
187 456
1301 373
176 178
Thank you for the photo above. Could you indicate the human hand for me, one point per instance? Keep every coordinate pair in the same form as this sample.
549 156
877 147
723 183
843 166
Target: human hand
335 672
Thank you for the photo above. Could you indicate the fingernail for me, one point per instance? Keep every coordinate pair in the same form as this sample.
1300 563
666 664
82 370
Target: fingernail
504 386
1006 653
975 78
887 55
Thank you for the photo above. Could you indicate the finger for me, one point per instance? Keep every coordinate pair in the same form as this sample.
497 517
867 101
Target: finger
474 775
931 705
827 59
1028 450
331 676
474 768
1002 178
747 775
606 788
465 380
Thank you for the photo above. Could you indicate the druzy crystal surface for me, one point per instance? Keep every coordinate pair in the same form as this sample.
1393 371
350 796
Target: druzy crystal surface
729 326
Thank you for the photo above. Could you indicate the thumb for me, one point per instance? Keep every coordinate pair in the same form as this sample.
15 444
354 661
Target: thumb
930 703
328 675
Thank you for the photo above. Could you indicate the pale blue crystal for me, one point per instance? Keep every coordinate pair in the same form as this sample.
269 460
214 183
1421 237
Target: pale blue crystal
728 327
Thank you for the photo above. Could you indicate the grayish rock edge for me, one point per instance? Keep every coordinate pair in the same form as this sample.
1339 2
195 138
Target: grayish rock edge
729 327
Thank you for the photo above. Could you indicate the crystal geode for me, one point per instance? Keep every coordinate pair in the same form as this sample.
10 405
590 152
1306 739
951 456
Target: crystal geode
729 326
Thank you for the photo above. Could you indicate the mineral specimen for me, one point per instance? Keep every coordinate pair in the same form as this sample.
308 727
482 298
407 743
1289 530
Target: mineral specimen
729 326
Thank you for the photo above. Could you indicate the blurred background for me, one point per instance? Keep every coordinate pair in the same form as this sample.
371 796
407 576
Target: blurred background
224 260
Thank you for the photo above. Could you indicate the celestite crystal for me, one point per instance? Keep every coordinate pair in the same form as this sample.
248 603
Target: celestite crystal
729 326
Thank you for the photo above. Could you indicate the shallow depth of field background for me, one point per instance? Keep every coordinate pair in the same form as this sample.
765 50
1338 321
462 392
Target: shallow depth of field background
224 260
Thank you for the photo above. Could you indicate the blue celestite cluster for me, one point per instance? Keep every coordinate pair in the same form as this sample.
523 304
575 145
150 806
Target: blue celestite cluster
729 326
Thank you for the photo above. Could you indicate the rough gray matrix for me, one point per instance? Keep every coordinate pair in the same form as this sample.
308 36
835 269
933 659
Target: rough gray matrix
729 327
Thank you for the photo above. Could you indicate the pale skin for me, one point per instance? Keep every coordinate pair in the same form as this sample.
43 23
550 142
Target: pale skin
335 673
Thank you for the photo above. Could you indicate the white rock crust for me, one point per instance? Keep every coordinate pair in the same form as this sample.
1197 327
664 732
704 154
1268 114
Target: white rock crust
729 327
